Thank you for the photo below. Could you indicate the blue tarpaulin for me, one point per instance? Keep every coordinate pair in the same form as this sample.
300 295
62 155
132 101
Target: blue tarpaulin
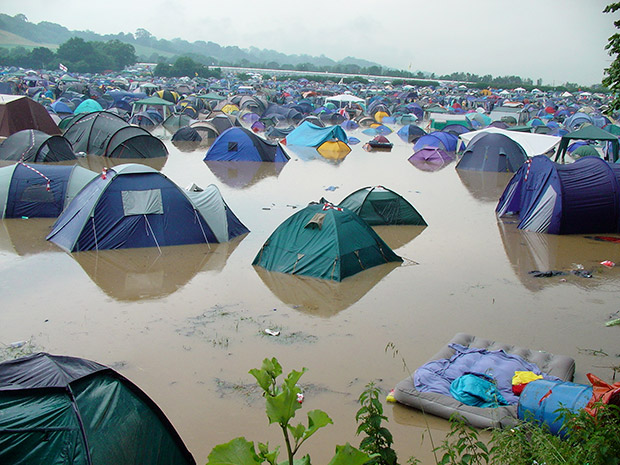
311 135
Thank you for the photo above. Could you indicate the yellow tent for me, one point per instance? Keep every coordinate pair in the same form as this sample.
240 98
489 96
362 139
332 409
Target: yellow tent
230 108
334 149
380 115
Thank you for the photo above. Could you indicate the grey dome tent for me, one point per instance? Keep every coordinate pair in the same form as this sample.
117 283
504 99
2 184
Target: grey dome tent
64 410
492 152
39 191
31 145
106 134
379 205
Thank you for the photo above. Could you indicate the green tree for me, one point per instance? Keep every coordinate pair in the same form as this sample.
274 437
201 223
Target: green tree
74 50
41 57
120 53
612 74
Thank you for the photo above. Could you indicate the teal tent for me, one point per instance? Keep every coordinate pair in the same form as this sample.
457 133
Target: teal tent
311 135
88 106
58 410
588 132
324 241
379 205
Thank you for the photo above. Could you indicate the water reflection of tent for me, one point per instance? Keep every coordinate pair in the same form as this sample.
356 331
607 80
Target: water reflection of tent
398 235
322 297
484 185
26 237
97 163
141 274
241 174
529 251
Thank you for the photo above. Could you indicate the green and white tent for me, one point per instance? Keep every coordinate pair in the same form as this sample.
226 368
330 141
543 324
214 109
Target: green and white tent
58 410
324 241
379 205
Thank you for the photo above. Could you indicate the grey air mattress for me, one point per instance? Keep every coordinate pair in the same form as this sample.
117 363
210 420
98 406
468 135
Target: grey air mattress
444 406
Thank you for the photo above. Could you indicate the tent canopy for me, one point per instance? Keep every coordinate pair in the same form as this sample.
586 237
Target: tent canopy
18 112
31 145
241 144
588 132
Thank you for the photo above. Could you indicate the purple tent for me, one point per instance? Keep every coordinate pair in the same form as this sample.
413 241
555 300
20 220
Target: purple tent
430 159
577 198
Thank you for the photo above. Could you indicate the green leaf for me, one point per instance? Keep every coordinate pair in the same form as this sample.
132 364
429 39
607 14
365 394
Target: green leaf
293 377
265 454
297 431
281 408
263 378
349 455
316 419
239 451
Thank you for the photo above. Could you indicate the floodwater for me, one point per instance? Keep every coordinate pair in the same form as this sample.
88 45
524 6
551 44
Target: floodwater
187 325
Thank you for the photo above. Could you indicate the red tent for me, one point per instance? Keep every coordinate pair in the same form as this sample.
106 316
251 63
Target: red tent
18 112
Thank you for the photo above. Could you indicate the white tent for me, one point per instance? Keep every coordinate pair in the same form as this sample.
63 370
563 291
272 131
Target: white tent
533 144
343 100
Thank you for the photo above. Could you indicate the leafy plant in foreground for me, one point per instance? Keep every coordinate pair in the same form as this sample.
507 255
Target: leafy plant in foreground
281 404
378 440
462 445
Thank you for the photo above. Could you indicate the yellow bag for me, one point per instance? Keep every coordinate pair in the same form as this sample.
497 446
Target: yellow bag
524 377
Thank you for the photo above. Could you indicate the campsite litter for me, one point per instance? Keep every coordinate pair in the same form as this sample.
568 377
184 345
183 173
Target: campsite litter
272 332
615 322
608 263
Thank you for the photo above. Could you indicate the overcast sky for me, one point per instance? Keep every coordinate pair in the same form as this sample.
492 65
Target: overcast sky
555 40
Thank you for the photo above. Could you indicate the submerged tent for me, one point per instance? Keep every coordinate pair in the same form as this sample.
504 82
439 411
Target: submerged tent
334 149
588 132
379 205
36 146
443 140
411 133
580 197
133 206
66 410
240 144
18 112
492 152
106 134
311 135
39 191
324 241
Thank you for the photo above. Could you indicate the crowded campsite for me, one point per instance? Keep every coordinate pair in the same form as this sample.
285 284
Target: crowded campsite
176 231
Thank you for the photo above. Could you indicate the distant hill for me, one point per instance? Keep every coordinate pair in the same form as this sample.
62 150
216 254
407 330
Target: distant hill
18 31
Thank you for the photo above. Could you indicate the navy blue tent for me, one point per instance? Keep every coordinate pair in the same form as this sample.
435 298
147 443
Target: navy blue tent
39 191
576 198
134 206
240 144
442 140
492 152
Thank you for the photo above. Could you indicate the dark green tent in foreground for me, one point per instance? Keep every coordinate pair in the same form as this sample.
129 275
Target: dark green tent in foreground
58 410
324 241
379 205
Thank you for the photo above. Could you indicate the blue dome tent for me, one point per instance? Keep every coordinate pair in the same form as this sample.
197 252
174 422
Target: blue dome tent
133 206
240 144
39 191
577 198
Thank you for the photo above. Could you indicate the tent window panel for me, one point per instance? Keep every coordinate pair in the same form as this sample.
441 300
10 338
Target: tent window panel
232 146
388 209
148 202
37 193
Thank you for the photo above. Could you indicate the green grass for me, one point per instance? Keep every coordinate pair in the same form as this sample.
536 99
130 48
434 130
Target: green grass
10 40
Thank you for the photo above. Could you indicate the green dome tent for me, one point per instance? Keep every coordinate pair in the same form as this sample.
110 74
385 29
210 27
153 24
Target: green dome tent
324 241
379 206
65 410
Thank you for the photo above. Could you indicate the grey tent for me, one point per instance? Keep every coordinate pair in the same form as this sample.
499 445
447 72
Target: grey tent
106 134
31 145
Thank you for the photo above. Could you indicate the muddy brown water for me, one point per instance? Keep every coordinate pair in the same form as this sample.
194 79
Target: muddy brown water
187 325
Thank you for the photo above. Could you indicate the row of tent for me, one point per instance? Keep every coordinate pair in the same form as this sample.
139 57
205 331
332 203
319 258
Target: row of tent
131 205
